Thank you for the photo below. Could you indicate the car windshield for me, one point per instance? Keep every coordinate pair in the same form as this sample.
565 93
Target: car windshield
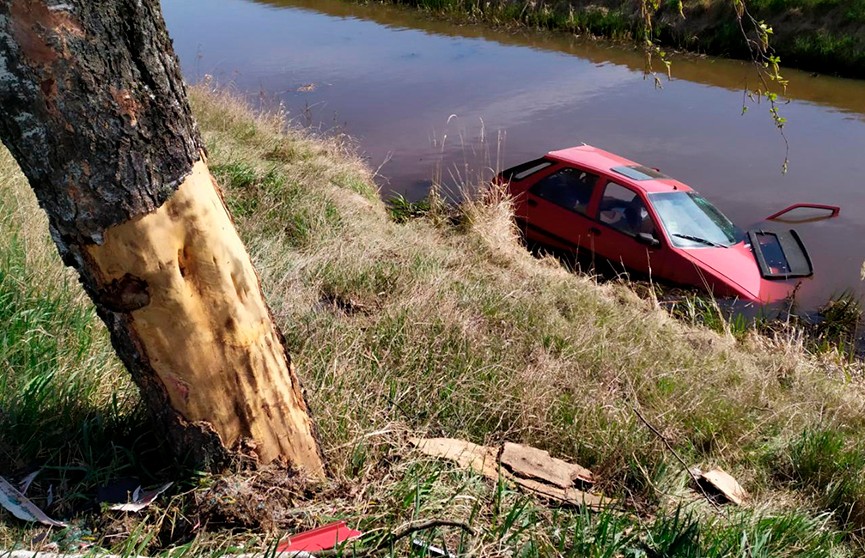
691 221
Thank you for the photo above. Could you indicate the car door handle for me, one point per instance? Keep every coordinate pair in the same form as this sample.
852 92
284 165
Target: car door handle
595 231
532 203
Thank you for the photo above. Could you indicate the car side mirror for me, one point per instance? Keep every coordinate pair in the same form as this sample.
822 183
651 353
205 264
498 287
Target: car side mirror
648 239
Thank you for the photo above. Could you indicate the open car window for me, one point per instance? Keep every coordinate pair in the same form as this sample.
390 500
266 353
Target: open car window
570 188
624 210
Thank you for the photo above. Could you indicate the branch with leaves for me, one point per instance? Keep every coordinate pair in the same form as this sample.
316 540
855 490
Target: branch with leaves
756 34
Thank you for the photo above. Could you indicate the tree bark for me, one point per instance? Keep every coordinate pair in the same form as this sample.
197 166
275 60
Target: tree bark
96 114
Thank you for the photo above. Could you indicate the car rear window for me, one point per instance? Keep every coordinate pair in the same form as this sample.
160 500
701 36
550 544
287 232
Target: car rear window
525 170
639 172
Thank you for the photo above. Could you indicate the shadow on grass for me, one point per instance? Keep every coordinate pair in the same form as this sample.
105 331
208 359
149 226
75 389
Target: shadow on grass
67 408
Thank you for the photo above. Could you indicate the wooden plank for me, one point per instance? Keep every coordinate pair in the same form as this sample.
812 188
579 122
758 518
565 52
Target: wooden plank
553 478
532 463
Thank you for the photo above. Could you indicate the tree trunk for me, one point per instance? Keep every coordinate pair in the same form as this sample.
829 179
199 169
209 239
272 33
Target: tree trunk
95 112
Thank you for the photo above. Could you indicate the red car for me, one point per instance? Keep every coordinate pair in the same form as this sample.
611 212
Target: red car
589 200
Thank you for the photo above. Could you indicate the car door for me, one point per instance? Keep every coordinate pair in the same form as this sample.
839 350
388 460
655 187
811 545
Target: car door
626 232
557 208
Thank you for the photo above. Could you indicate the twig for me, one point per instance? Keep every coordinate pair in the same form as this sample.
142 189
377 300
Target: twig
422 526
708 498
661 437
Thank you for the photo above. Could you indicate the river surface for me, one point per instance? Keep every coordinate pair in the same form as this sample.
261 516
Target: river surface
425 98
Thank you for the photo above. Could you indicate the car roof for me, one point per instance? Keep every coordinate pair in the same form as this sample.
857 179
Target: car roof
604 162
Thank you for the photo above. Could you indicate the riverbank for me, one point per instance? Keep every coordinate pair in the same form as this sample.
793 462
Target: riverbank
435 326
826 36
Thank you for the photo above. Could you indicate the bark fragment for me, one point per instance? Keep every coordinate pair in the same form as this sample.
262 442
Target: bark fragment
534 469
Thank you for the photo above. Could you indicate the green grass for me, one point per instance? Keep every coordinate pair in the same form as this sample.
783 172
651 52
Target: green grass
67 408
830 464
607 18
429 325
850 11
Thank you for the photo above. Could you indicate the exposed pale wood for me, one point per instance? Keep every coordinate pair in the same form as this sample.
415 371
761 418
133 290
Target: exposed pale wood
570 495
532 463
481 459
95 112
195 307
726 485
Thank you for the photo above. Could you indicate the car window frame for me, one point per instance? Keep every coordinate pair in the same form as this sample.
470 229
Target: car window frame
509 175
591 206
659 235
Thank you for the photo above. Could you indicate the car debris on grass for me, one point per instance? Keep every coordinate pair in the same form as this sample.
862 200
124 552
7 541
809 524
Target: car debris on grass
21 507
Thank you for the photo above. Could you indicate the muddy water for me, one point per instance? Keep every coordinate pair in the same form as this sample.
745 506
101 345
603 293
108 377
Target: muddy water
416 92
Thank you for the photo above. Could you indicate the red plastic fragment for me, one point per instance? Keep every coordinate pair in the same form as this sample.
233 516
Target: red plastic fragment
321 538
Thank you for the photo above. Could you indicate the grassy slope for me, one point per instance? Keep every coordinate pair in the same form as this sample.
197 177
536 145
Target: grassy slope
823 35
439 329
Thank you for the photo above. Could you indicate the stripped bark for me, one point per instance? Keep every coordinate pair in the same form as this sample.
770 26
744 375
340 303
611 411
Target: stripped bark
96 114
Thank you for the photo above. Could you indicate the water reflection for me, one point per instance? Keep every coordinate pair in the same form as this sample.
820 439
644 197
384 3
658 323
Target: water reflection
840 94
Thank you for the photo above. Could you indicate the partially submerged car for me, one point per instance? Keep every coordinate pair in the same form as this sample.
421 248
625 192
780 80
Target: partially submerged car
589 200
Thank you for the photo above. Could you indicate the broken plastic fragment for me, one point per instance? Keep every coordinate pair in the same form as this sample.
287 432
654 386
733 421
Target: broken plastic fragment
322 538
27 481
430 550
21 507
141 500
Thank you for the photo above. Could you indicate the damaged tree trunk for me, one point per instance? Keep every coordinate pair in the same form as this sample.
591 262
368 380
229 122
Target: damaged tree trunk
95 112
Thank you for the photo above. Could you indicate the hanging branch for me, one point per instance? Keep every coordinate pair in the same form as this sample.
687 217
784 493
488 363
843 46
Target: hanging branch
763 58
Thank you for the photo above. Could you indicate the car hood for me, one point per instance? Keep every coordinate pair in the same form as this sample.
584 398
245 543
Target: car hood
735 265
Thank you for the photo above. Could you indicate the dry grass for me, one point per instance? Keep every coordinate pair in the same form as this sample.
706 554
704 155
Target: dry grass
458 331
436 328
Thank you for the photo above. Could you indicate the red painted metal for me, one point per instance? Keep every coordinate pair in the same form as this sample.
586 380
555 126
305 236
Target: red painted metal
833 208
322 538
723 271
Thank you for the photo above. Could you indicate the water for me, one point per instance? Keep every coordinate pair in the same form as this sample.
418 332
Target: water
415 91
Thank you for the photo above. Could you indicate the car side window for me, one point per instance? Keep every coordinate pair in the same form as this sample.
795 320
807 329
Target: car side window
624 210
569 188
